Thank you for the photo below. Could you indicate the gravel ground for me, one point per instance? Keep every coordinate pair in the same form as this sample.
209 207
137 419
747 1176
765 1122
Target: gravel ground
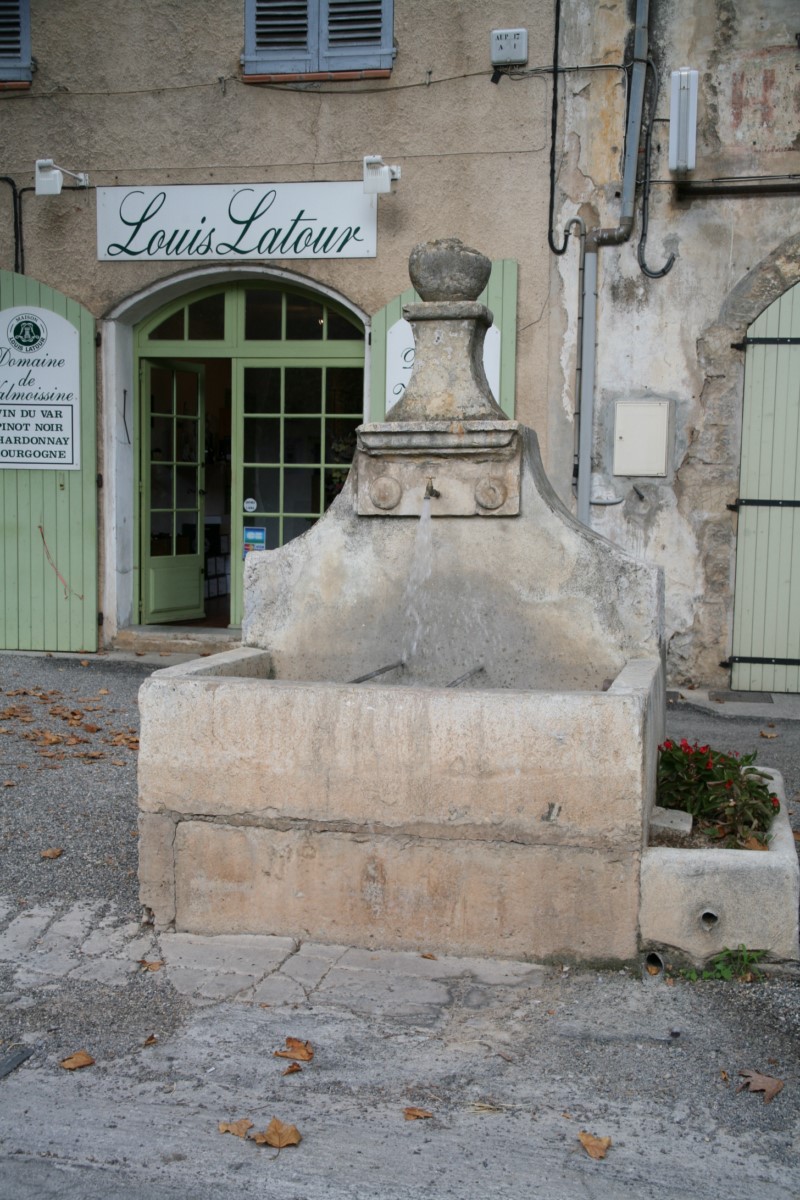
512 1079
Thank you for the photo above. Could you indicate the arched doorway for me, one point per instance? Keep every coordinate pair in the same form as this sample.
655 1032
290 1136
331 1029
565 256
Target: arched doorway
249 395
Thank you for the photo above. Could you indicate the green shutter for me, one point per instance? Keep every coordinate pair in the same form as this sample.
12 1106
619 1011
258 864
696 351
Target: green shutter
766 615
48 558
500 296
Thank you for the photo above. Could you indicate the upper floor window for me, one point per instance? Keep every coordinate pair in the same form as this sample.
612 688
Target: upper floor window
288 37
15 41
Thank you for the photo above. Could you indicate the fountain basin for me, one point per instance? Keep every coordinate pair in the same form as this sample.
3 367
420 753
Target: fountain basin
495 821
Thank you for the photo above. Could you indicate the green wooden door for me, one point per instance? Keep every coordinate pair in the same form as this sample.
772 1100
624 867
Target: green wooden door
48 470
172 475
766 618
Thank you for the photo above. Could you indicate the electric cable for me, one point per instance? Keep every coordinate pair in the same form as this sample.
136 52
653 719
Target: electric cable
648 140
559 250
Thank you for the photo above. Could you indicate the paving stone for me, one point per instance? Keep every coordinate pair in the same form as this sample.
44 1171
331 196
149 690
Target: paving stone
71 928
104 941
378 991
24 931
277 990
250 954
211 985
406 962
307 971
113 971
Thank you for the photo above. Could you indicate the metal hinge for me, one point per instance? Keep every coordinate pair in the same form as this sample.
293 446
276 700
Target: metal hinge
98 338
771 341
771 662
740 503
99 618
99 481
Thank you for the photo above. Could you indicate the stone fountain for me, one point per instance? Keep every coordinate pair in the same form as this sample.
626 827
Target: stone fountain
484 787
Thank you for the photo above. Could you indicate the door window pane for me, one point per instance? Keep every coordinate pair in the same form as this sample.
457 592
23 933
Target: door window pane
340 439
170 329
334 482
160 534
303 319
272 526
262 315
302 440
294 526
186 537
160 391
186 441
262 484
160 486
303 390
186 487
342 330
262 390
301 490
262 440
161 439
344 390
207 319
187 393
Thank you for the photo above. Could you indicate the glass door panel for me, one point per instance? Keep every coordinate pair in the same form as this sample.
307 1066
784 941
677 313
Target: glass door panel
172 491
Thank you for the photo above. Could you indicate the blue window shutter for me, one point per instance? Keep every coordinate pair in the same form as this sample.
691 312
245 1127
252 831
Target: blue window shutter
15 41
302 36
356 35
500 295
280 36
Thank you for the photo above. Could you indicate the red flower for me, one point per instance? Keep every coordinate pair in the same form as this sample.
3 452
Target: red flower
775 802
703 750
667 745
685 746
710 764
728 786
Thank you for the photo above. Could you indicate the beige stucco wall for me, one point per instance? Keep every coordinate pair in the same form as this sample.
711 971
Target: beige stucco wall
152 94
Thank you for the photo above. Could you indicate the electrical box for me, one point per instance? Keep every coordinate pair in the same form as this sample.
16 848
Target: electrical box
683 120
641 437
509 47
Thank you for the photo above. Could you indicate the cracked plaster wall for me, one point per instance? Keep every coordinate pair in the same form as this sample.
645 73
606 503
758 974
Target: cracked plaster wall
671 338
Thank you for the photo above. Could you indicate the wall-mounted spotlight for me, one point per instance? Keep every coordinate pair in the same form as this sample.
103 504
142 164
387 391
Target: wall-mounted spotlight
50 179
683 120
378 175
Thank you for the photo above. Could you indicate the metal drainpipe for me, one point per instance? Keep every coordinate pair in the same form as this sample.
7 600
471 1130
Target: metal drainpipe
611 236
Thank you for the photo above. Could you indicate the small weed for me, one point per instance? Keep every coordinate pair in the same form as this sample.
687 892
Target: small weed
730 964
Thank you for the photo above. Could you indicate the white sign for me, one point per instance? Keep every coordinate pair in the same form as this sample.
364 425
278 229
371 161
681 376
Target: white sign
39 390
400 360
236 222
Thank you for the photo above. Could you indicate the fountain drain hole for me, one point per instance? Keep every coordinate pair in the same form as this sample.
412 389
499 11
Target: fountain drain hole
708 919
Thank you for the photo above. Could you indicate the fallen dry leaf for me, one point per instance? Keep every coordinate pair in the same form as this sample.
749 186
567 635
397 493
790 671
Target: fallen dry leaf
278 1135
432 956
766 734
595 1147
53 852
292 1069
567 1116
725 1077
150 964
237 1128
753 843
652 969
416 1114
756 1082
9 783
75 1061
103 692
151 1041
298 1050
84 662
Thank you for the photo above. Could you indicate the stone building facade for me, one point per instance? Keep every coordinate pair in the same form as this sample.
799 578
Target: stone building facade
218 96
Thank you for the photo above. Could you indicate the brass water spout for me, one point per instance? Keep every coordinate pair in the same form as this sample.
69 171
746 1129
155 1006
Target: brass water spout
431 492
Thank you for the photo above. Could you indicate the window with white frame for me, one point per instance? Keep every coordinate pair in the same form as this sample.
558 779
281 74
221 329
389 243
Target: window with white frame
284 37
15 41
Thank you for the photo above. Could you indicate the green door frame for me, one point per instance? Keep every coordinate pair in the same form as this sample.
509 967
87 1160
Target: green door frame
242 352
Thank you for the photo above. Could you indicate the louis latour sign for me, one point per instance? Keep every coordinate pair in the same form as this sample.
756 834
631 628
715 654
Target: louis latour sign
39 390
236 222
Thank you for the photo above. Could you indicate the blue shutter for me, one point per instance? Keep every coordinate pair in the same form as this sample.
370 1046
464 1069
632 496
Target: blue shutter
15 41
284 37
280 36
357 35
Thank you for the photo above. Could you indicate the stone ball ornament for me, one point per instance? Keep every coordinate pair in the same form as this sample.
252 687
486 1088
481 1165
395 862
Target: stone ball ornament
447 270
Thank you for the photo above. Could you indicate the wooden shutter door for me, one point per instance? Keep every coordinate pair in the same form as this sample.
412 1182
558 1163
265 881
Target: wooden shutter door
48 517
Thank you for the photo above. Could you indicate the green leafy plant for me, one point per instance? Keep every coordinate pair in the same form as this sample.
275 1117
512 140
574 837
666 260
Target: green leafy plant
730 964
729 799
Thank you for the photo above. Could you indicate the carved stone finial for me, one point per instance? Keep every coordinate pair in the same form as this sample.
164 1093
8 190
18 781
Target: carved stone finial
447 270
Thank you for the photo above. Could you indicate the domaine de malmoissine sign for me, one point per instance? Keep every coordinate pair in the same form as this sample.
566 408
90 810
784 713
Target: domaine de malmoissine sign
236 221
39 390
